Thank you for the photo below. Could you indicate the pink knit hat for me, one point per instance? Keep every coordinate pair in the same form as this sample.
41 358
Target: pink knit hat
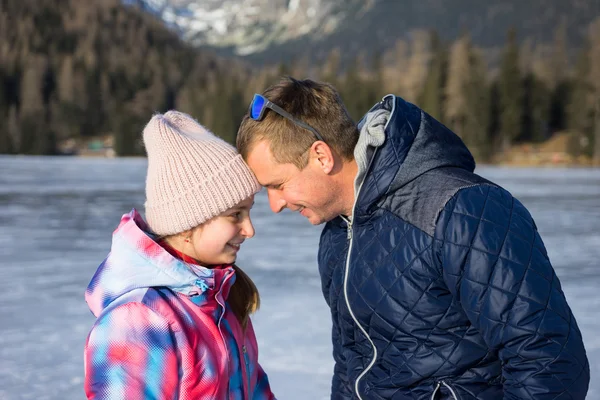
193 175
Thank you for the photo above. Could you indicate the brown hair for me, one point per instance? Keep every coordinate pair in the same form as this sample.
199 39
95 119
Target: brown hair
314 103
243 296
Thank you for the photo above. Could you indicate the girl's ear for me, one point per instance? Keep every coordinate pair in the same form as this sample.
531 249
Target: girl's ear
179 239
187 236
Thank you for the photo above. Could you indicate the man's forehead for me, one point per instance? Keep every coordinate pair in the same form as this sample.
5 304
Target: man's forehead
268 171
262 147
261 158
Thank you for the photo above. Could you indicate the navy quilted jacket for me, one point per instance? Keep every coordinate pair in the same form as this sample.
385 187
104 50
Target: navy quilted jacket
440 286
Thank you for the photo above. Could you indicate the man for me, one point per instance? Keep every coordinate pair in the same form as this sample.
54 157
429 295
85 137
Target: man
438 282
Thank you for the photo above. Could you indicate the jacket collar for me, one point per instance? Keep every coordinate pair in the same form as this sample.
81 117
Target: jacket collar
398 142
137 260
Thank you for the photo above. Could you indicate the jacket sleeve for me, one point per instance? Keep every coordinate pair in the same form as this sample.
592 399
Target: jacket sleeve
130 354
496 266
262 389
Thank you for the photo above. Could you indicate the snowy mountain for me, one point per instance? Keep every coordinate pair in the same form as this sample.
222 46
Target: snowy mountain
251 26
279 29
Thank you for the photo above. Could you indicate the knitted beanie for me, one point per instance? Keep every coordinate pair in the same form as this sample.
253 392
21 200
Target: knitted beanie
193 175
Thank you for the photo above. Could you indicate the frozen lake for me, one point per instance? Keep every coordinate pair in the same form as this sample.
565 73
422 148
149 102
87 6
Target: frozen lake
56 220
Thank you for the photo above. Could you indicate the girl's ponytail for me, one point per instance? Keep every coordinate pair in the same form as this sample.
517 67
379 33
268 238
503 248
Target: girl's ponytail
243 296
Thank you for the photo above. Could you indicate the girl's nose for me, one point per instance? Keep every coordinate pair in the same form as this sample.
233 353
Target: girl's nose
248 228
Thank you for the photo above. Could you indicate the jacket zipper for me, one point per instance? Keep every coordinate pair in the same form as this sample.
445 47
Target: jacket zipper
223 309
350 236
244 350
247 362
353 316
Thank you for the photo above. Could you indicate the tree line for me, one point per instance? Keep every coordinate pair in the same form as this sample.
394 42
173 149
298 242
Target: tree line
76 70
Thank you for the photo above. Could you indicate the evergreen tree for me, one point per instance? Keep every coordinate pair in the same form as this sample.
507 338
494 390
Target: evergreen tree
65 109
227 107
376 89
331 69
238 107
189 99
284 69
535 109
539 84
580 110
559 67
394 73
493 117
5 142
32 113
559 62
511 92
416 72
126 138
594 79
352 89
477 97
459 71
432 96
13 127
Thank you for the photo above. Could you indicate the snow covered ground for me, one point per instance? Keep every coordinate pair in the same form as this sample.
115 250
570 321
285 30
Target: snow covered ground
57 215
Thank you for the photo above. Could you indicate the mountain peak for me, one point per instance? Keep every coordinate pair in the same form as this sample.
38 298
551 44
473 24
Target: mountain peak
276 29
248 26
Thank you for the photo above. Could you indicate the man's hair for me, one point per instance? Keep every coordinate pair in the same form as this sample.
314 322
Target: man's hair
314 103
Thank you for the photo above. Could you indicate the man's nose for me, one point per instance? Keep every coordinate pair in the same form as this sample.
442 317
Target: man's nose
276 201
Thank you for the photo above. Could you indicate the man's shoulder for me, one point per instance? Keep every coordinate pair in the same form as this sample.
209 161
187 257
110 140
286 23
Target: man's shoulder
487 205
420 202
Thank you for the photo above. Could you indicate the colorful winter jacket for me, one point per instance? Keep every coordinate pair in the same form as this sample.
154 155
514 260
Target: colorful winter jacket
163 331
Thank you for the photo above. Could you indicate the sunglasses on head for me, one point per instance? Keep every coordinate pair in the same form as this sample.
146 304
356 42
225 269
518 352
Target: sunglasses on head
259 106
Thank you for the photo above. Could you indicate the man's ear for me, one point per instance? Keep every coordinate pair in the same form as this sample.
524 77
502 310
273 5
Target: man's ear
322 155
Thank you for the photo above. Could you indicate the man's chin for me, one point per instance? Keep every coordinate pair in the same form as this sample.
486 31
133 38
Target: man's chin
316 220
313 218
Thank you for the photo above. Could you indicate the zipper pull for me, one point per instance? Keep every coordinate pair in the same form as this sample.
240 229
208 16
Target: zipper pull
201 283
349 234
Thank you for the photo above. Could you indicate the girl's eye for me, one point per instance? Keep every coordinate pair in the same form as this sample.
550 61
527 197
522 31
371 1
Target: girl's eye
236 215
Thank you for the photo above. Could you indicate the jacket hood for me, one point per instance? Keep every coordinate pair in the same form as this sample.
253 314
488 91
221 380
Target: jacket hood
137 261
398 142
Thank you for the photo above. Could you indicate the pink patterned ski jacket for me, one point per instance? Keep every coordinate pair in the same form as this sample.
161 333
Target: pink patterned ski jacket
163 331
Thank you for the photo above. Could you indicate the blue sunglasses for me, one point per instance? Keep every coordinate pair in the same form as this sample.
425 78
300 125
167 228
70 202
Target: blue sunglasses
260 104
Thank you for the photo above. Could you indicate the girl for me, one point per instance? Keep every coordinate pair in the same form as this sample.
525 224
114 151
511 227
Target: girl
172 309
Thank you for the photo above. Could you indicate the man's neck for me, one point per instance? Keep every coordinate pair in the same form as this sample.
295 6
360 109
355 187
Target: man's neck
348 175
